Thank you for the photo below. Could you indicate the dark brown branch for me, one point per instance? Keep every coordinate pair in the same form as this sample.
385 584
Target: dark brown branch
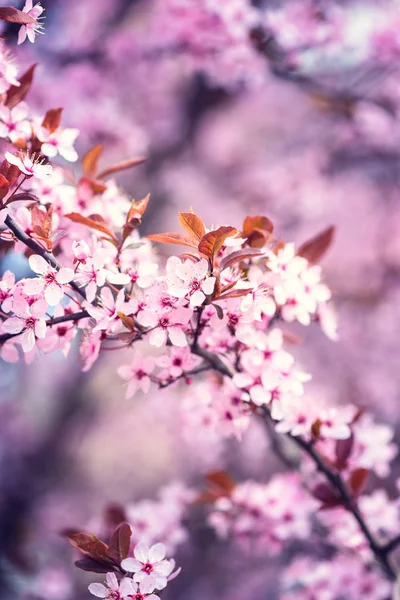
37 249
349 503
83 314
201 369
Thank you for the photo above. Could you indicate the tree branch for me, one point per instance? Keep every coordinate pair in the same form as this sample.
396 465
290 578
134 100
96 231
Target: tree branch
37 249
380 552
83 314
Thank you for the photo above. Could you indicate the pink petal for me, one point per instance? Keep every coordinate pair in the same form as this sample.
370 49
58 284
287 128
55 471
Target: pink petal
53 294
177 337
65 275
33 287
38 264
28 340
131 565
98 590
157 553
141 552
13 325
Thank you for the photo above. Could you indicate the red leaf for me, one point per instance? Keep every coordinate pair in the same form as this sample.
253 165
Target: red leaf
16 94
357 481
52 119
4 186
119 543
42 222
343 450
238 256
221 480
173 238
134 216
257 230
212 242
88 544
122 166
326 494
234 294
91 159
13 15
93 222
314 249
96 565
10 172
192 224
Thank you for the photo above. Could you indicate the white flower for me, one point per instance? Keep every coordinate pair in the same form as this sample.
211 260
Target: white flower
28 165
189 278
150 562
120 591
50 281
29 319
60 141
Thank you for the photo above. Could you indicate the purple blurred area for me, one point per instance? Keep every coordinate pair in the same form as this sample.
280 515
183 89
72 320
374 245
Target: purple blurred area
70 443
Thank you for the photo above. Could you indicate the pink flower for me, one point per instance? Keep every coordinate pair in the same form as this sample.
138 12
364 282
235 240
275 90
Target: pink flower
137 374
7 284
190 279
29 319
81 251
166 325
14 123
29 166
51 281
335 422
150 562
89 349
113 590
60 142
31 29
106 313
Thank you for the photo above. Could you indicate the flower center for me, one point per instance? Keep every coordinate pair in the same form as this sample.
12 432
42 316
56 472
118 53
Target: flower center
50 278
195 285
147 568
29 323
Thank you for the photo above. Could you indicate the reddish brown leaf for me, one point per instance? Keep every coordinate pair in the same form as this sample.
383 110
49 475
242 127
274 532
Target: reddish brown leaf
234 294
221 480
326 494
357 481
52 119
91 159
192 224
212 242
13 15
27 196
238 256
257 230
93 222
42 222
10 172
128 322
88 544
4 186
119 543
314 249
114 514
122 166
96 565
16 94
173 238
343 450
134 216
316 428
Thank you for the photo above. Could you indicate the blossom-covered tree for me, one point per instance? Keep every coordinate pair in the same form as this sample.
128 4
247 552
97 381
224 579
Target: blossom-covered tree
218 320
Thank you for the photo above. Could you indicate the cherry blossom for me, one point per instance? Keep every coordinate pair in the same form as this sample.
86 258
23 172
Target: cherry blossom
113 589
14 123
29 166
149 562
190 279
137 374
50 281
60 141
28 319
31 29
